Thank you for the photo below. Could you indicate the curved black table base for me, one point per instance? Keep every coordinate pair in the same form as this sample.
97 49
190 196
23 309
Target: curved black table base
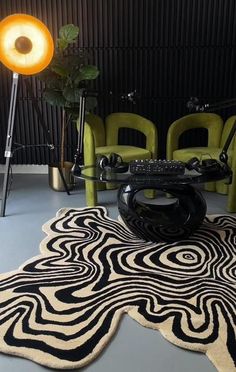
170 222
155 222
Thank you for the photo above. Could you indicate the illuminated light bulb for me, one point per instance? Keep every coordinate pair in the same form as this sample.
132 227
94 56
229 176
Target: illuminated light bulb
23 45
26 45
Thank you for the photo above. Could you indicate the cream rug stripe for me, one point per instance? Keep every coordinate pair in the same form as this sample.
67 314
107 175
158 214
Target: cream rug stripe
62 307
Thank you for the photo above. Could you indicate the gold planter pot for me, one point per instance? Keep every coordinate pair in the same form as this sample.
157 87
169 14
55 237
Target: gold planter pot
55 180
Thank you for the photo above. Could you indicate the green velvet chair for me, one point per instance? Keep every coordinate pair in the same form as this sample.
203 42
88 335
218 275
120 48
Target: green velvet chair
217 134
102 138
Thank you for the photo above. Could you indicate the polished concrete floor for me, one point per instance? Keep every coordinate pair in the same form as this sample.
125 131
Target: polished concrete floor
134 348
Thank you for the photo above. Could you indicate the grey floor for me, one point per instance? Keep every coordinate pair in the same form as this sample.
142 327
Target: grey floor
134 348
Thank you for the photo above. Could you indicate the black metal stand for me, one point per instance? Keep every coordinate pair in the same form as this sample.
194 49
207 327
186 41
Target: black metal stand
46 132
194 106
10 129
79 155
223 154
8 148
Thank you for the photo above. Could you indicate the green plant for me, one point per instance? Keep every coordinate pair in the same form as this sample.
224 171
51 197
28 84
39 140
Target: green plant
64 78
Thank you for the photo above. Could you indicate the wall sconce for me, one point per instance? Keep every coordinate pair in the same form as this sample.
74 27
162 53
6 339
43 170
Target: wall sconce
26 47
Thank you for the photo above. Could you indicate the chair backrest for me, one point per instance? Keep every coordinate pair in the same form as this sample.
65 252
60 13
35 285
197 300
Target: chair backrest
210 121
115 121
227 128
94 126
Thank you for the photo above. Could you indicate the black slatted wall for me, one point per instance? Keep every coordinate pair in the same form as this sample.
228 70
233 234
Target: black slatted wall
166 50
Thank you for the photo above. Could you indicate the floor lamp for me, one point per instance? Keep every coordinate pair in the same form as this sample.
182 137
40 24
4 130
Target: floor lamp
26 47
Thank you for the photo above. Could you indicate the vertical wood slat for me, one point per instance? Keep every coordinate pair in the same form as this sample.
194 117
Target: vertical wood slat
167 50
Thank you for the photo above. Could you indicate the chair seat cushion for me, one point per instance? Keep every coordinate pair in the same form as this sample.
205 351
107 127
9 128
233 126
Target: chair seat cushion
127 153
200 152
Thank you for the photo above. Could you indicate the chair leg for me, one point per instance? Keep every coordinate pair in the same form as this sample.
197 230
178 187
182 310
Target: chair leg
91 193
111 186
210 186
222 187
100 186
150 194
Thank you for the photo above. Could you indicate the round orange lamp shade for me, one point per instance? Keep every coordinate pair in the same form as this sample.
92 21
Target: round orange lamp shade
26 45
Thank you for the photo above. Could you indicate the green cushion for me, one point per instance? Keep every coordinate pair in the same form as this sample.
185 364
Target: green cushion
126 152
200 152
204 153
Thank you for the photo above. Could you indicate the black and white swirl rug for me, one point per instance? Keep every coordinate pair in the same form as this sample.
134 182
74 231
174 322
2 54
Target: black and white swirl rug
62 307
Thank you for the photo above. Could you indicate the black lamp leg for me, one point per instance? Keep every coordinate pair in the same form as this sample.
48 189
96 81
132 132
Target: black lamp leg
8 152
45 130
78 158
63 180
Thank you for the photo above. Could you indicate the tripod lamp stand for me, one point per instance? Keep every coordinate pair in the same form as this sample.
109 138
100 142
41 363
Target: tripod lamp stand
26 47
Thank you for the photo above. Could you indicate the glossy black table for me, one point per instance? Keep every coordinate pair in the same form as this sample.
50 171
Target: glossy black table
155 222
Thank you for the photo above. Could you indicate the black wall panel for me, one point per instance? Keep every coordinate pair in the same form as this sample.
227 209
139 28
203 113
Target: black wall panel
166 50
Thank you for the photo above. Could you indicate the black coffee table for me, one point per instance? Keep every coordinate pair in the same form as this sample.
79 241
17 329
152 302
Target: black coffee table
173 221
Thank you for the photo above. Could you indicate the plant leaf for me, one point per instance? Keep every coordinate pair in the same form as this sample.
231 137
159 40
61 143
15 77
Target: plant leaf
69 33
54 98
60 69
51 80
77 77
73 61
62 44
89 72
71 94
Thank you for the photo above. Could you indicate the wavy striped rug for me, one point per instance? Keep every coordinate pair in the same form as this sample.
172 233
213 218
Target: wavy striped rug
62 307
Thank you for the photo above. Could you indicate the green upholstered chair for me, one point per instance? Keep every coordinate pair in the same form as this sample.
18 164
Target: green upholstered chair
102 138
217 134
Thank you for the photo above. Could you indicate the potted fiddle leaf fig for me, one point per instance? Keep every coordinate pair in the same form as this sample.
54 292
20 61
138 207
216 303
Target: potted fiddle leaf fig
65 77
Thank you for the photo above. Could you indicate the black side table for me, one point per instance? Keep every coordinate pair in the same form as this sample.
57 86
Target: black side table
156 222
